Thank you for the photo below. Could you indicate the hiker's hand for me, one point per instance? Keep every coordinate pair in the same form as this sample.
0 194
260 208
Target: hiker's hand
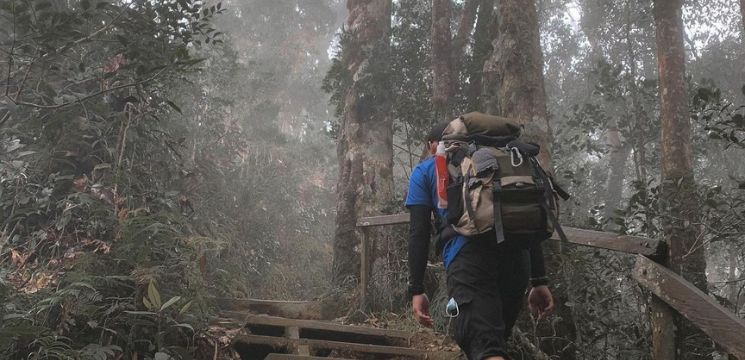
420 305
540 302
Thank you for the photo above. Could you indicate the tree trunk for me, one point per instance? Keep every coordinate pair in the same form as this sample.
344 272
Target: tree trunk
678 201
364 148
465 26
742 15
442 66
514 87
619 153
514 70
483 35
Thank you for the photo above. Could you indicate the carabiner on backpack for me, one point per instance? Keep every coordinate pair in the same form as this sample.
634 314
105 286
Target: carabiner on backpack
515 153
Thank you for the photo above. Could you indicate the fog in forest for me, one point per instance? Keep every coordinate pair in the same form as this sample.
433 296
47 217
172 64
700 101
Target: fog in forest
157 155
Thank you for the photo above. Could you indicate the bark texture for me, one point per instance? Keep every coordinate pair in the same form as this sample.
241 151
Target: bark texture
514 87
364 147
619 153
678 201
442 66
513 74
483 35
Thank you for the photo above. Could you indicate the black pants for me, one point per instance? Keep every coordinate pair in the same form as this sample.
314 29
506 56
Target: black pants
488 281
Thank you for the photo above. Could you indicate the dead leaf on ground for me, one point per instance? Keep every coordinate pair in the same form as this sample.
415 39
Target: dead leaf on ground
39 281
17 258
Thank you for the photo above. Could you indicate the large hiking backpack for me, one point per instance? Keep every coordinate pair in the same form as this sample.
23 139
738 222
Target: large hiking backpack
495 181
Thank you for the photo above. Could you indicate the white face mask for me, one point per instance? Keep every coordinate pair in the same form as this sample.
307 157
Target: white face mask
451 309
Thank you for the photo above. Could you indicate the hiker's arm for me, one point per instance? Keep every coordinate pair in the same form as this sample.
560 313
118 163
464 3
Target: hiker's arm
419 232
537 266
540 300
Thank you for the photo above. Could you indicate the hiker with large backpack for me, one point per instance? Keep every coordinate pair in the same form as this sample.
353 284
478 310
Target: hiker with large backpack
493 205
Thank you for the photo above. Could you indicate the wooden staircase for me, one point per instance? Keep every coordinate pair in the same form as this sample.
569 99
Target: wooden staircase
277 338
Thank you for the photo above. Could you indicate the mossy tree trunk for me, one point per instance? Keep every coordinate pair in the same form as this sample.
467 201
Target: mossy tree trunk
442 64
365 140
679 204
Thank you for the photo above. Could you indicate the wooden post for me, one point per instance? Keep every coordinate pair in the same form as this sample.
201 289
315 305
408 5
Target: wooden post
724 327
293 332
662 322
364 267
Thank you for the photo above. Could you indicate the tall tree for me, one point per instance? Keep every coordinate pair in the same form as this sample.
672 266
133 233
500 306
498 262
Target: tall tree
482 38
364 147
514 87
678 201
513 84
442 64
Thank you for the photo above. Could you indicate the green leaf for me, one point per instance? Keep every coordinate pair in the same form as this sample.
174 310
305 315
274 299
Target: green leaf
102 166
147 303
153 295
185 326
85 4
139 312
186 307
170 302
14 316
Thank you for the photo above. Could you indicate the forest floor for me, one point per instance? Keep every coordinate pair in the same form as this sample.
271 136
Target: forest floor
422 339
243 327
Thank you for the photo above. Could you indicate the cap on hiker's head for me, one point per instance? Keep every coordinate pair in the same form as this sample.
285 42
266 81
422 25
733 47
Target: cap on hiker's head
436 133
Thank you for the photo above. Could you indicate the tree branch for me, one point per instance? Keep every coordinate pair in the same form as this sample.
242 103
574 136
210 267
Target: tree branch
729 281
25 77
465 27
58 106
92 35
405 150
4 118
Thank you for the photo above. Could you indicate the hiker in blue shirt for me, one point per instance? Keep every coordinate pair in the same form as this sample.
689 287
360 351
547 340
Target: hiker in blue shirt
486 281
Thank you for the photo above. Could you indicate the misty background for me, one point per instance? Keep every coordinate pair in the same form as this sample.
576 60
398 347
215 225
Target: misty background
196 153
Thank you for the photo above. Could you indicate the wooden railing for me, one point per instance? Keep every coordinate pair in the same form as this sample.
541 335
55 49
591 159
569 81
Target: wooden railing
724 327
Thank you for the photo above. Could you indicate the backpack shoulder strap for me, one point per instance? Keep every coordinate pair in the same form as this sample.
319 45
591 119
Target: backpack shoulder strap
496 202
542 179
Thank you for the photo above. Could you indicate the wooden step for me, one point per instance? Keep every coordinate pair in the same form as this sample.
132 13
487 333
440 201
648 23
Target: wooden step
289 309
320 330
280 344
